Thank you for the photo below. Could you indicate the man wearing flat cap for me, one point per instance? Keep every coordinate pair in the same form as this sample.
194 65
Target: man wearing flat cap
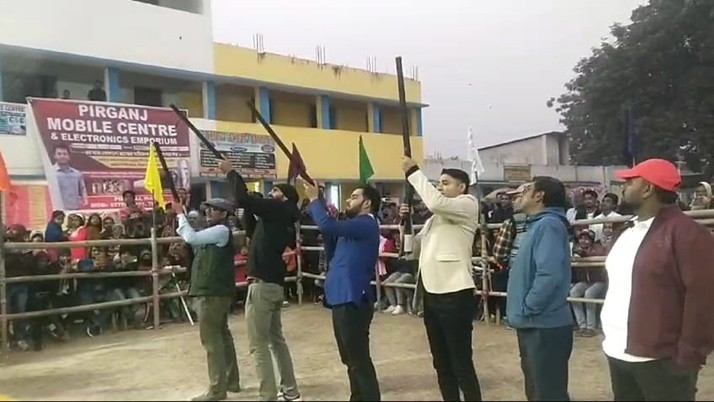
657 318
212 283
265 269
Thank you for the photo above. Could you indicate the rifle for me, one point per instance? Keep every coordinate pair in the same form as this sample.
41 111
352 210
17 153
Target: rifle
406 244
278 141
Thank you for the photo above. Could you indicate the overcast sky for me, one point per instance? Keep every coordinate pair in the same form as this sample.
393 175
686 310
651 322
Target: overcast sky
487 63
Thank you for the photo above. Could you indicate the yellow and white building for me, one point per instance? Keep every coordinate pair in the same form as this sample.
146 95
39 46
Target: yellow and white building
157 52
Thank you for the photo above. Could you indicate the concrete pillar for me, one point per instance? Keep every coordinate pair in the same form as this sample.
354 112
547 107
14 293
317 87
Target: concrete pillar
370 117
111 84
323 112
262 102
376 118
267 186
417 113
209 100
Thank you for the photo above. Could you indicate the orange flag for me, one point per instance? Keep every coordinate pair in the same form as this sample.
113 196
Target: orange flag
5 186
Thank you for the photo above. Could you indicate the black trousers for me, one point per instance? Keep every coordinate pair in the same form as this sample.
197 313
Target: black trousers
656 380
545 353
499 283
351 325
448 319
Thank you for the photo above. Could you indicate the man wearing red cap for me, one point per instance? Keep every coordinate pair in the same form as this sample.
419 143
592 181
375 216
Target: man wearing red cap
657 316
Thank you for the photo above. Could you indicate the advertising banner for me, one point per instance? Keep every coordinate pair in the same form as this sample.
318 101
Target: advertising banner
252 155
29 206
12 118
92 152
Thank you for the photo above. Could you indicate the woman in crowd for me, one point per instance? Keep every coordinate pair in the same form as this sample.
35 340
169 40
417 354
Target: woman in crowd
591 283
400 299
94 227
702 197
77 232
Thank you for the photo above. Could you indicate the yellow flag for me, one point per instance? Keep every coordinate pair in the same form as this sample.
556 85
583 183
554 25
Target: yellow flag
152 180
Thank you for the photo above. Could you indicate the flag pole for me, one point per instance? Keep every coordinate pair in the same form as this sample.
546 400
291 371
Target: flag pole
174 194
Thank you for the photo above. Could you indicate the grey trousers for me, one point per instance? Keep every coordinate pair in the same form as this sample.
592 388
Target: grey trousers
266 342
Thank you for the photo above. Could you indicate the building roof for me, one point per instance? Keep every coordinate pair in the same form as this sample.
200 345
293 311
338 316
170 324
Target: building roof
553 133
182 74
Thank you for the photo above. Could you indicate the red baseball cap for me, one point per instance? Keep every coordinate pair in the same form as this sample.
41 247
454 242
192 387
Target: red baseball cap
660 172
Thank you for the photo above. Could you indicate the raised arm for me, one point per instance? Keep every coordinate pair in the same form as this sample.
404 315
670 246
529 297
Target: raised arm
460 209
358 228
219 235
265 208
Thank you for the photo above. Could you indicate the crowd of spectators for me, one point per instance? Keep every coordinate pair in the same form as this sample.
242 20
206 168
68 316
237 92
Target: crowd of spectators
594 240
134 222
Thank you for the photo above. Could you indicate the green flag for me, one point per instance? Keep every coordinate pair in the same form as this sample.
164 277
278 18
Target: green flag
365 166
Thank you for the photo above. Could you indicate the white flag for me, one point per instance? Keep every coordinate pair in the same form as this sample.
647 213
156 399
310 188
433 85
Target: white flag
477 168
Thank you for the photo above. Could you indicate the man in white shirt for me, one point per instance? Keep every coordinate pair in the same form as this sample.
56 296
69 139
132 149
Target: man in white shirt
657 318
444 247
607 206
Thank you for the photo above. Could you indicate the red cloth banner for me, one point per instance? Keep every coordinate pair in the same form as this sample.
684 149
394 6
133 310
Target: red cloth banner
31 207
93 152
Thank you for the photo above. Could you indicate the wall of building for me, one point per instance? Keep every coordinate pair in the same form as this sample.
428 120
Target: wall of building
524 152
391 120
333 155
247 63
231 103
121 30
291 113
193 102
350 117
495 172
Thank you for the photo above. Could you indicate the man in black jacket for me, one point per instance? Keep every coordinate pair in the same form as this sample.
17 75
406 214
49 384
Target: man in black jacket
272 233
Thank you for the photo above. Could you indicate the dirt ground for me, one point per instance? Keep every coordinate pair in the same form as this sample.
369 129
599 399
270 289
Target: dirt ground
169 364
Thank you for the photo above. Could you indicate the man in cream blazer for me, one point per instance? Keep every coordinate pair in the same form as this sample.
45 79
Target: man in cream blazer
444 247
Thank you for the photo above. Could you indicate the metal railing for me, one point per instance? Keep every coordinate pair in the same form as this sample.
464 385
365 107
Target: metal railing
705 217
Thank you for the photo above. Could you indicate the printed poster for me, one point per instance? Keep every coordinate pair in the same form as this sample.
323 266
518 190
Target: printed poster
252 155
93 152
12 119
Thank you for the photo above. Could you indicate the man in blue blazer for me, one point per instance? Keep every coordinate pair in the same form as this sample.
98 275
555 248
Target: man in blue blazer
347 286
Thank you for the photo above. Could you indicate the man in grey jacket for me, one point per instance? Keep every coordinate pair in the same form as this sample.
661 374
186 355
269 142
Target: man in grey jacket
538 288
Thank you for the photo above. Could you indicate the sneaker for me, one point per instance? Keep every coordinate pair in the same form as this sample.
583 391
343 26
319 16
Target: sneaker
283 397
211 396
286 304
389 309
22 345
93 330
587 333
398 310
